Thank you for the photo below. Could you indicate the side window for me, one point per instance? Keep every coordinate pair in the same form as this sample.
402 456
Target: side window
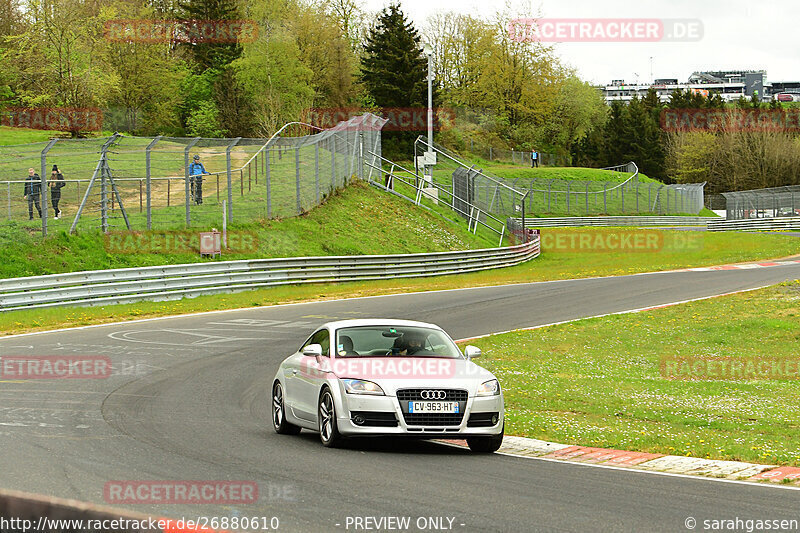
321 337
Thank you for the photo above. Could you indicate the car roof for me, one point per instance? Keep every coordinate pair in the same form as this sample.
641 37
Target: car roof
338 324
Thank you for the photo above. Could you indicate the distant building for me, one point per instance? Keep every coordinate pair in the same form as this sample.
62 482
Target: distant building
728 84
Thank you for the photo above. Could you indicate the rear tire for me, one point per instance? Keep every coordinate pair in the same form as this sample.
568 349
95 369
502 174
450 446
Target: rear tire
486 444
279 422
326 414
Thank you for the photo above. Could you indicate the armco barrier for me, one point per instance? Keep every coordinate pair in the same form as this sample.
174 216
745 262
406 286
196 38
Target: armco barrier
181 281
780 223
20 511
634 221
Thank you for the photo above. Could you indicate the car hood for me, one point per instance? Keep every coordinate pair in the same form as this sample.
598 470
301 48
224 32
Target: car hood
393 373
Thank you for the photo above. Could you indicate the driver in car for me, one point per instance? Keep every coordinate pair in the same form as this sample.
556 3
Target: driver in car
409 344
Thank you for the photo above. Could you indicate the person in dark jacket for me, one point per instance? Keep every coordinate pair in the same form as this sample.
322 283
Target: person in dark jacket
55 184
33 188
196 171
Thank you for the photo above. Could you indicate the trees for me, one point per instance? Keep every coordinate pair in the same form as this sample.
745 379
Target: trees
393 69
394 72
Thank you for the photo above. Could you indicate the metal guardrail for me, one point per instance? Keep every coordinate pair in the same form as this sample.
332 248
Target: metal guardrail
634 221
22 511
181 281
780 223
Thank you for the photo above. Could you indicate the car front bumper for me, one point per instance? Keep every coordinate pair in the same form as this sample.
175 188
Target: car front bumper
390 404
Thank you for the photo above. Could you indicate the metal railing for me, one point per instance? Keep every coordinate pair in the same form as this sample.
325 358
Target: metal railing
431 193
103 287
756 224
633 221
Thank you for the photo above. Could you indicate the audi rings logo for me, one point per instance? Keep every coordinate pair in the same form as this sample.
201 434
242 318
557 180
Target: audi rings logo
433 395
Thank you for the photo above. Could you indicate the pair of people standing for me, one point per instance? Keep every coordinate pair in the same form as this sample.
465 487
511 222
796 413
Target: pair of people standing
33 191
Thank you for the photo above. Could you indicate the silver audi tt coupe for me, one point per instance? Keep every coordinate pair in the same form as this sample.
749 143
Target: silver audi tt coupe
374 377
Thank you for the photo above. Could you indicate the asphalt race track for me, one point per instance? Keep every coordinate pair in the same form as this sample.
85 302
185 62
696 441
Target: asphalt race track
189 400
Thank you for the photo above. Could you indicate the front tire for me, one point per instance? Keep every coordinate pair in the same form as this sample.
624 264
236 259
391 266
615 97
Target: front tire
279 422
326 414
486 444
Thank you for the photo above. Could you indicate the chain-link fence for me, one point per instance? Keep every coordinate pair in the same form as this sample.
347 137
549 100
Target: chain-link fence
619 192
763 203
623 193
123 182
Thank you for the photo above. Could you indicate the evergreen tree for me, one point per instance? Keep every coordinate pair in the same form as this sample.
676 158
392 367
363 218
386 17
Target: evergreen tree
213 53
394 72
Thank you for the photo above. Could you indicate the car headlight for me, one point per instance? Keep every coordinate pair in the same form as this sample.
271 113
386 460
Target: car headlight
489 388
361 386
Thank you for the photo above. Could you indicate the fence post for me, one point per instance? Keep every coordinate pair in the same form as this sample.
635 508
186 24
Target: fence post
297 178
491 158
186 177
9 200
637 196
268 176
361 155
43 186
333 163
568 197
316 169
649 200
549 188
230 179
147 175
587 197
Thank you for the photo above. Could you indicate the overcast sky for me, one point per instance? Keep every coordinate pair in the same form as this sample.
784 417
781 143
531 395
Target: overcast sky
738 34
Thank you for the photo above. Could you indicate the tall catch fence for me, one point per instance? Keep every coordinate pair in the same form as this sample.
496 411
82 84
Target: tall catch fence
123 182
763 203
621 191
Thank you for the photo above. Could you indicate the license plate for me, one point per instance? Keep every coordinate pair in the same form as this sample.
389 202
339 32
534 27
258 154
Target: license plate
433 407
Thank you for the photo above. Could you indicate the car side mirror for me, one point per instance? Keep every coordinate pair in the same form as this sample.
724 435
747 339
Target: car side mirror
472 352
312 350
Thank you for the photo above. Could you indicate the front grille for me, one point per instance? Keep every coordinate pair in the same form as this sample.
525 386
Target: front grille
481 420
433 419
374 418
414 395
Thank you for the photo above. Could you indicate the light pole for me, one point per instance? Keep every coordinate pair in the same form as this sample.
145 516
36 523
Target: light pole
430 156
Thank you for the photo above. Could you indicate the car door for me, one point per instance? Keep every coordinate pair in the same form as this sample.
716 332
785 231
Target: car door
308 379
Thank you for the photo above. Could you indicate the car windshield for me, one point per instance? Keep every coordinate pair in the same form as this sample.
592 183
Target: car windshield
394 341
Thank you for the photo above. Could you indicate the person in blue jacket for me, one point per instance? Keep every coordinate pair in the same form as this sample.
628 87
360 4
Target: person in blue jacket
196 171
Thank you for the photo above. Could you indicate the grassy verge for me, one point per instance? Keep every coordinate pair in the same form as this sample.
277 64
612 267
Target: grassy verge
357 220
600 382
717 248
10 136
